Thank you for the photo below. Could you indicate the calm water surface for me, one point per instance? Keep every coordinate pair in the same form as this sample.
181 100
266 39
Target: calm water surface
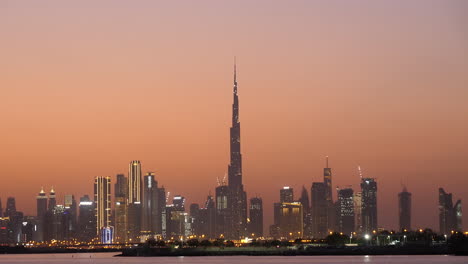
107 258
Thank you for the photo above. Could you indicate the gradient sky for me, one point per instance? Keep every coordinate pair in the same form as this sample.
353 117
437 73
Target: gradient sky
87 86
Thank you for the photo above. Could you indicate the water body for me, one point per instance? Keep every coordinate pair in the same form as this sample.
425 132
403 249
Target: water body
108 258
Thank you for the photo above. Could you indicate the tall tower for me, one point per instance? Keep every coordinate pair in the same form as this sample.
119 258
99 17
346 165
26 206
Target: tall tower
52 200
450 215
331 211
346 215
256 217
369 204
134 200
134 182
404 209
237 200
120 200
102 200
151 221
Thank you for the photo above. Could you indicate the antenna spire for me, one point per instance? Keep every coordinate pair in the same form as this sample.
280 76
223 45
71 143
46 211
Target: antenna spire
326 161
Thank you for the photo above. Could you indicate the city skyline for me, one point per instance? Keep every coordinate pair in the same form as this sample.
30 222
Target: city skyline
74 110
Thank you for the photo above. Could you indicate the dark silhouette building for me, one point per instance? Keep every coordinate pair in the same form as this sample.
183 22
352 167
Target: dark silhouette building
134 201
346 211
237 198
450 216
41 211
255 226
223 212
86 219
151 219
120 208
319 210
404 209
331 210
368 204
286 195
306 212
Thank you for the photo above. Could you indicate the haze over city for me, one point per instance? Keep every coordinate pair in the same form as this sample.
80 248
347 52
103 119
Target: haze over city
87 87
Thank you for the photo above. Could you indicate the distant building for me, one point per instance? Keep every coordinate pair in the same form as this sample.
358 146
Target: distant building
306 211
286 195
404 209
207 219
70 217
290 220
320 208
223 213
120 208
369 204
358 211
346 211
151 219
86 219
331 210
450 216
255 226
41 211
134 207
102 200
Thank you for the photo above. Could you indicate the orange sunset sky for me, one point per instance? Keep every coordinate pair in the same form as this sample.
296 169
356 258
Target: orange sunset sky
88 86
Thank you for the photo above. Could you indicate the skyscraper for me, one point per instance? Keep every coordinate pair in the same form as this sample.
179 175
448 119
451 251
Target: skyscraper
102 200
256 217
331 210
70 216
346 210
319 210
358 211
134 200
290 220
41 207
86 219
151 213
369 204
307 216
237 198
223 212
450 216
404 209
134 182
286 195
120 208
52 200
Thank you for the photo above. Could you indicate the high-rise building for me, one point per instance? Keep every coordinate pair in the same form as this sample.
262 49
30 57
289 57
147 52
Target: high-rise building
195 216
102 200
223 212
369 204
86 219
255 226
307 216
286 195
207 218
237 198
450 216
161 227
319 210
15 221
41 210
134 182
70 217
120 208
134 207
290 220
151 219
52 200
346 210
404 209
1 208
358 211
331 210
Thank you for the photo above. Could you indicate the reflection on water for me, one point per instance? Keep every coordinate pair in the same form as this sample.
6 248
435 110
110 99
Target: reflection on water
107 258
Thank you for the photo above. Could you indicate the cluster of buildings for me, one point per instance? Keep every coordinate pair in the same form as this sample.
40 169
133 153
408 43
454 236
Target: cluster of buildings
137 208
